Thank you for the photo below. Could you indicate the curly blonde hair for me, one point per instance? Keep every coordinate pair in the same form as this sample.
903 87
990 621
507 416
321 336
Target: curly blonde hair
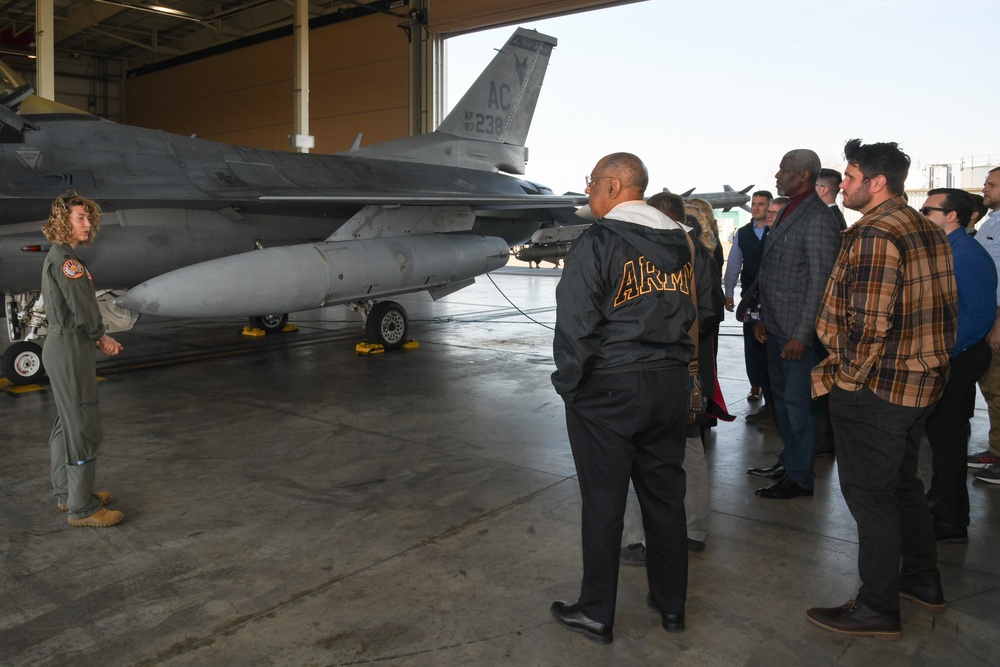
702 211
59 229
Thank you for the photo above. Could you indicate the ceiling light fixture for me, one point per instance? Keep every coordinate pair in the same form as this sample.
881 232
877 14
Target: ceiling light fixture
156 9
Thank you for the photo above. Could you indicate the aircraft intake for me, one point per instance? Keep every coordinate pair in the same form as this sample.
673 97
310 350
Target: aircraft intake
302 277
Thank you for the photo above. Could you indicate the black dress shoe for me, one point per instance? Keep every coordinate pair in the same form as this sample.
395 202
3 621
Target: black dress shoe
947 532
924 589
764 412
783 489
777 471
671 622
571 618
696 545
856 619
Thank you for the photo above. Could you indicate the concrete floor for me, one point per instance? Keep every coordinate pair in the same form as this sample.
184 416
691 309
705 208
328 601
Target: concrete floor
288 502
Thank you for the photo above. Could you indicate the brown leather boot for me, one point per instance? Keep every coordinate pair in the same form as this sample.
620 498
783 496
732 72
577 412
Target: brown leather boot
854 618
924 589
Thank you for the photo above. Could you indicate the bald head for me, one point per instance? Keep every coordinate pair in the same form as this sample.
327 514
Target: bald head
630 169
617 178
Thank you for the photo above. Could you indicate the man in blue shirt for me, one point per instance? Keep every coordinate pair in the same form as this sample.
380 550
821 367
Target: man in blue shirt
948 427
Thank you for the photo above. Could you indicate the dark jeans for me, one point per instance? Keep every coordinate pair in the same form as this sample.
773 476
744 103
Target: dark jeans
796 412
948 431
877 446
754 356
622 426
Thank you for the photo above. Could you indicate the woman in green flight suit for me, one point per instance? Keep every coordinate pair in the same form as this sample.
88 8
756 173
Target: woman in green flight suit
74 328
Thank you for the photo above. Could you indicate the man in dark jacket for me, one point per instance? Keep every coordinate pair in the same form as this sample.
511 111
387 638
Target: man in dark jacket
621 347
794 268
742 266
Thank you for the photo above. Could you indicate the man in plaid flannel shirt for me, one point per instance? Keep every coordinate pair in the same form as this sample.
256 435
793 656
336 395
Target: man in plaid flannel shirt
888 320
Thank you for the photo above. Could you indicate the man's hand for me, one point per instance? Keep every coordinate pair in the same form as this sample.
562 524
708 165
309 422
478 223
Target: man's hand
730 306
760 333
793 350
109 345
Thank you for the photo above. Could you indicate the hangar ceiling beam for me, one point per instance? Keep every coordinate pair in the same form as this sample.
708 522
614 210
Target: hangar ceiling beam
89 15
452 17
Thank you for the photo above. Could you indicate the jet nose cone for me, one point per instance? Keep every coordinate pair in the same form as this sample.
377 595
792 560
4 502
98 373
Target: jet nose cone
141 299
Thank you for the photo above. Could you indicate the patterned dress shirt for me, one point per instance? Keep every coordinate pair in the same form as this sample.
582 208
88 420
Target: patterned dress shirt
889 313
989 237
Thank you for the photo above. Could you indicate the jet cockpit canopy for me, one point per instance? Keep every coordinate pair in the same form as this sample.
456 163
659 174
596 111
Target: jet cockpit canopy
13 89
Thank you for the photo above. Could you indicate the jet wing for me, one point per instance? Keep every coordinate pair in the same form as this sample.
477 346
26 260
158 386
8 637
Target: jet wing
480 202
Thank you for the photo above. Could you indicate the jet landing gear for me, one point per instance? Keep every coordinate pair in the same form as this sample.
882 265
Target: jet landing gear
269 323
26 326
22 363
385 322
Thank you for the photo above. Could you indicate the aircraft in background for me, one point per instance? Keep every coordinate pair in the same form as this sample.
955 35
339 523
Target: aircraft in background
725 200
551 244
194 228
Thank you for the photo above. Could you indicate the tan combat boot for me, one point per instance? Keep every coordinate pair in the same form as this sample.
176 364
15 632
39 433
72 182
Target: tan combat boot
105 497
102 518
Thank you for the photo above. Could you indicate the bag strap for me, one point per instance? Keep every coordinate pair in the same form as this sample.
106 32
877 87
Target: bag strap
693 331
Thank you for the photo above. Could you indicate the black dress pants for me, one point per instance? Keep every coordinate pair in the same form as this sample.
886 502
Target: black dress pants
877 446
622 426
948 431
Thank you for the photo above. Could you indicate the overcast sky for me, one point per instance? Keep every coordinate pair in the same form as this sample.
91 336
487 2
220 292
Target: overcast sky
716 91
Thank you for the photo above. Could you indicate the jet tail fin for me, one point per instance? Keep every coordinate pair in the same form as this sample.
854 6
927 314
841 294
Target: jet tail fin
499 106
487 129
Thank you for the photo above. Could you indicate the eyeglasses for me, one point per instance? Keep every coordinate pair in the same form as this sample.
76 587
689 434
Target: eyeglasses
589 180
772 212
927 209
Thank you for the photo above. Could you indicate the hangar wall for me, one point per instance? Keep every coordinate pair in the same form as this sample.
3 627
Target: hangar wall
357 83
359 79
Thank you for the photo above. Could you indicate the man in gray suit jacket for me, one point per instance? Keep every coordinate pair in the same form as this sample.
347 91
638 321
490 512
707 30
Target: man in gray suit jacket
796 263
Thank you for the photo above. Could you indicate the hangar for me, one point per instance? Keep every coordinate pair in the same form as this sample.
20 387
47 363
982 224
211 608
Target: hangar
292 503
363 66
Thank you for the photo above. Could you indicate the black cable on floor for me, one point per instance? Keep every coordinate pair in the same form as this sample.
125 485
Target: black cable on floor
515 305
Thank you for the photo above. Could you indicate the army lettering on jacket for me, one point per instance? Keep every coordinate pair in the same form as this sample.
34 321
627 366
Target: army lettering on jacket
647 278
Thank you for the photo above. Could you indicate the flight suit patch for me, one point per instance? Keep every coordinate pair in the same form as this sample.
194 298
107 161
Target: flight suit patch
72 268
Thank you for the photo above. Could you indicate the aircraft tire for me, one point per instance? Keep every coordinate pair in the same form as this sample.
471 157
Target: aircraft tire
22 363
269 323
387 324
